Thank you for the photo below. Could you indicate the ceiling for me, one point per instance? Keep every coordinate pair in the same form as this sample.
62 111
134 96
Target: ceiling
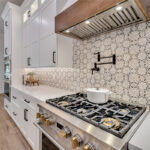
2 5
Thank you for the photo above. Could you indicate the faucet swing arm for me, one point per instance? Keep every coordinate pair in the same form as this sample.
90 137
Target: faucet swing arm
96 68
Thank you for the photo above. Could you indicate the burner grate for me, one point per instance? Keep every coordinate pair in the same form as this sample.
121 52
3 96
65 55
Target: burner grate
114 112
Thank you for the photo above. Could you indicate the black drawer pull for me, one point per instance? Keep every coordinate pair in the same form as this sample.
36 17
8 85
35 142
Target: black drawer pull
54 57
6 106
25 114
27 101
14 97
14 114
6 52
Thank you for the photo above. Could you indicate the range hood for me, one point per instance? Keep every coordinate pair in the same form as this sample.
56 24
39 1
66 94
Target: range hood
103 16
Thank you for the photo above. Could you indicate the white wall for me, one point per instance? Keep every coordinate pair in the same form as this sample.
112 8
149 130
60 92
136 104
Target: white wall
1 63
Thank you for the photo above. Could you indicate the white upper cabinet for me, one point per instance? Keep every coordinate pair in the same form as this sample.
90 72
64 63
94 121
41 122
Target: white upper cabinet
47 25
64 4
7 34
26 35
34 55
34 7
42 47
42 2
34 28
48 49
26 15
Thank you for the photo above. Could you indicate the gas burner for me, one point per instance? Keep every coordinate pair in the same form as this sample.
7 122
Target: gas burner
114 117
124 111
81 111
110 123
63 103
97 118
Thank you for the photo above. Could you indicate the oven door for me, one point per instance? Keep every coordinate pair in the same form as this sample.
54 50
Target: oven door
48 142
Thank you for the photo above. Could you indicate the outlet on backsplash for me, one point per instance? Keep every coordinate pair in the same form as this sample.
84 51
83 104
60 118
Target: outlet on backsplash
129 79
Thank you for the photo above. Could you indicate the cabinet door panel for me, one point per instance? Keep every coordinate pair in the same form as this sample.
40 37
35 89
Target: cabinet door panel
7 34
47 26
34 54
27 56
48 51
34 29
32 135
26 35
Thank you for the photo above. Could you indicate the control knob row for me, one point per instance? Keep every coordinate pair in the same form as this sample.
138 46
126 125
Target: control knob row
65 132
45 118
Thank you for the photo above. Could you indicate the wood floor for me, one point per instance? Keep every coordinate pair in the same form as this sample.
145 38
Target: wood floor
10 136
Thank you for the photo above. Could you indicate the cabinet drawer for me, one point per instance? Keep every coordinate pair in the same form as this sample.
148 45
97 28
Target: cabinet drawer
15 96
7 105
30 102
16 113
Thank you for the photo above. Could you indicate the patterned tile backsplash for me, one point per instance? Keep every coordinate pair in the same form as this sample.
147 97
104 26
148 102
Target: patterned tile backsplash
129 79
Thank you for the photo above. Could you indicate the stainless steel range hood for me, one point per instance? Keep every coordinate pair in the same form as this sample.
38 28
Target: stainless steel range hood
125 13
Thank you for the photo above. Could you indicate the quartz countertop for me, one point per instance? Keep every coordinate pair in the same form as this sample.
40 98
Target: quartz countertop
42 92
141 139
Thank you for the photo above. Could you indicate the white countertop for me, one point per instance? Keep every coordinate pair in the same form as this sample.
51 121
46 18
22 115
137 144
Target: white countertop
42 92
141 139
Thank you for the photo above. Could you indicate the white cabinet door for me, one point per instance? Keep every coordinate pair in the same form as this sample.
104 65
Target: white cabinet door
34 28
16 113
27 57
48 51
26 35
34 55
31 56
7 34
31 127
64 51
47 25
34 7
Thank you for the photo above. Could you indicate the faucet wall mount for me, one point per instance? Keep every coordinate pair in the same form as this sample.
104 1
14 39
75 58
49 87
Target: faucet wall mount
99 58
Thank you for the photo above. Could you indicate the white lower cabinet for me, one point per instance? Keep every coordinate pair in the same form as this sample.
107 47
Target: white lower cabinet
16 113
23 113
7 106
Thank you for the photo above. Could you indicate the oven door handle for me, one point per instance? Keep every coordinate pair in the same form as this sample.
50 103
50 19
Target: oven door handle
48 136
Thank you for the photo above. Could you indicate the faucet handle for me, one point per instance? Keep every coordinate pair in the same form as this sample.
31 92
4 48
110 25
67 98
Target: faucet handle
98 56
95 68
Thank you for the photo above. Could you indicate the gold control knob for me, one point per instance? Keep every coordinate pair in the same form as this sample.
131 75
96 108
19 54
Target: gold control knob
65 132
38 115
48 122
76 141
62 134
86 147
89 147
42 118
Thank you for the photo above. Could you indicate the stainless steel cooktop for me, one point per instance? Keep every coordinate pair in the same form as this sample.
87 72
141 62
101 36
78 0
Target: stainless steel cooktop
114 117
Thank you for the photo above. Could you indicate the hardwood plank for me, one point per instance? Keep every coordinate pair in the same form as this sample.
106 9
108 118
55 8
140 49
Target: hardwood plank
10 136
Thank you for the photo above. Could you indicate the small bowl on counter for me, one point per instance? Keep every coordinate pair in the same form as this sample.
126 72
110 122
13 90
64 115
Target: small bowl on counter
99 96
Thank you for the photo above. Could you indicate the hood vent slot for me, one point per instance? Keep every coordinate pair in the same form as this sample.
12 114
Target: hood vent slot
109 20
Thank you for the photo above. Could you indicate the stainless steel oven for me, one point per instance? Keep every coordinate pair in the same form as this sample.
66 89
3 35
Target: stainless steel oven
49 142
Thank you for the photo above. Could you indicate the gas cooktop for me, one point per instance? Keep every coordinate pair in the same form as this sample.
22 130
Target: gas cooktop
114 117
